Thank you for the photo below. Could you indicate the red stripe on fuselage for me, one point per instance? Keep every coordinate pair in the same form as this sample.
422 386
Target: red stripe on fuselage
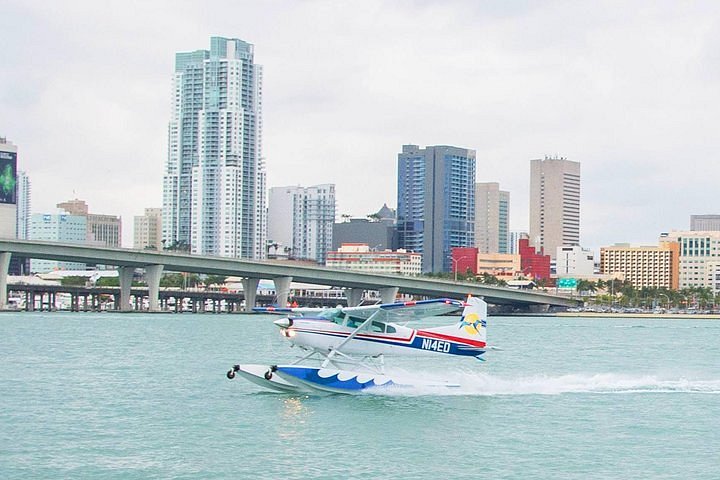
450 338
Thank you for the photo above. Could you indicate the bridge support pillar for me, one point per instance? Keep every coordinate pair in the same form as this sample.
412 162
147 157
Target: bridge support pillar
282 290
4 265
354 296
152 277
250 292
126 276
388 294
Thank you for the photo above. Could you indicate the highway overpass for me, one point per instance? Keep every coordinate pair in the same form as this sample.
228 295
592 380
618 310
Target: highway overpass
282 273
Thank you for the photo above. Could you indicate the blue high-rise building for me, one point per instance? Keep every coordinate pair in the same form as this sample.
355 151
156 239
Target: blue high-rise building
214 183
436 202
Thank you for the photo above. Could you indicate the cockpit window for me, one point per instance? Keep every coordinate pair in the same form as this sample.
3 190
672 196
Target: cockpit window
354 322
328 314
377 327
335 315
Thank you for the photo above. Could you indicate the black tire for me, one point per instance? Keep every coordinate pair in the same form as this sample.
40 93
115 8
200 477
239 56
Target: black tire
230 374
268 375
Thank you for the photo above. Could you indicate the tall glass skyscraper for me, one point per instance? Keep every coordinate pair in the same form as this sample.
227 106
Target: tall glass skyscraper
436 202
214 183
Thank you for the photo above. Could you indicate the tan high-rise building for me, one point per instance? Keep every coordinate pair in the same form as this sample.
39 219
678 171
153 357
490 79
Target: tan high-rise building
102 230
147 232
554 204
492 218
651 267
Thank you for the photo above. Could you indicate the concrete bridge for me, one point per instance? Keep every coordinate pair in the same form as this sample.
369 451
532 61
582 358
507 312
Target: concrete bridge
281 273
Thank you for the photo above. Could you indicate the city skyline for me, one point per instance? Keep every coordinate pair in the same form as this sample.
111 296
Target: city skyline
599 89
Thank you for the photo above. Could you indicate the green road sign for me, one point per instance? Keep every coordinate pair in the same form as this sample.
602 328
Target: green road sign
567 283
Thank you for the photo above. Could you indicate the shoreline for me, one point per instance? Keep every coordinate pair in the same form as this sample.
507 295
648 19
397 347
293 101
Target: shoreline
677 316
681 316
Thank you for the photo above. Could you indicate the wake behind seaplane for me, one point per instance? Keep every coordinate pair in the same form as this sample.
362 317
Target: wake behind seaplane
350 343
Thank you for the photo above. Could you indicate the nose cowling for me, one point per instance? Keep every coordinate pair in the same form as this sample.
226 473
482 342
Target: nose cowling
283 322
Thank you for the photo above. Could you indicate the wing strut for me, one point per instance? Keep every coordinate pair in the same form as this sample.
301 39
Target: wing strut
352 335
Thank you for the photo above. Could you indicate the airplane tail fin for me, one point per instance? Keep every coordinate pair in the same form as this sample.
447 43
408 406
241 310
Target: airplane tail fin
472 324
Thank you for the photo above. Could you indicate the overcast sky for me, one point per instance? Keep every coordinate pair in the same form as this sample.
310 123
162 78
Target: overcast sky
629 89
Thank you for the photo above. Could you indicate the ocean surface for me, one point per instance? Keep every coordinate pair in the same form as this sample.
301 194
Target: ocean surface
103 395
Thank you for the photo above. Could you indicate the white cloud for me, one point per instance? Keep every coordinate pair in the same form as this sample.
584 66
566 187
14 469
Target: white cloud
629 90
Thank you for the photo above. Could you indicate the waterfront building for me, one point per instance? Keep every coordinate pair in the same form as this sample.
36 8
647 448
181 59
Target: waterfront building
57 227
360 257
643 266
574 262
492 218
377 230
22 226
464 260
554 204
533 264
705 223
102 230
503 266
699 258
214 181
147 231
8 189
301 219
436 202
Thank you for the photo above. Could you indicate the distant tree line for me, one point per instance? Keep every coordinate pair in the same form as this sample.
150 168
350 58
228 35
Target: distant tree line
611 292
623 293
168 280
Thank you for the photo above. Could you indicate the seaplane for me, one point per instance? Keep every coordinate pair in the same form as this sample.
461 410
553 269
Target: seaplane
344 348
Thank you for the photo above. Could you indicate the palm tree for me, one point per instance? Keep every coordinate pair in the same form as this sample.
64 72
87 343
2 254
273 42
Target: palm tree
586 286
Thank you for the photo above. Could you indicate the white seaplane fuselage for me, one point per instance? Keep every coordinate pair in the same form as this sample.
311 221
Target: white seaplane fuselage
352 342
377 338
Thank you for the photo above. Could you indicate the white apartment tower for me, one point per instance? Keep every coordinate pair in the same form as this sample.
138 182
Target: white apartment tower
22 227
492 218
214 182
301 220
554 204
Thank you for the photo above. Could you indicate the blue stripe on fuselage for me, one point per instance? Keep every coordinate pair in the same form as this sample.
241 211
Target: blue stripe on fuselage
418 343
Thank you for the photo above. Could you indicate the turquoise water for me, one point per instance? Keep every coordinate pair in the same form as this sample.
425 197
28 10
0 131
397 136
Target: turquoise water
145 396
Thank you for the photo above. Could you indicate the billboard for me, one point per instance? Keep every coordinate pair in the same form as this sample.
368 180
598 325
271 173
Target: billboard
8 177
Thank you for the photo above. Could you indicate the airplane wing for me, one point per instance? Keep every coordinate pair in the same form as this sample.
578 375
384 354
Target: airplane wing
288 310
406 311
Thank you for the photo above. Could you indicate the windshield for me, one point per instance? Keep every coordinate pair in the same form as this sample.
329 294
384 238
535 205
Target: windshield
332 314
